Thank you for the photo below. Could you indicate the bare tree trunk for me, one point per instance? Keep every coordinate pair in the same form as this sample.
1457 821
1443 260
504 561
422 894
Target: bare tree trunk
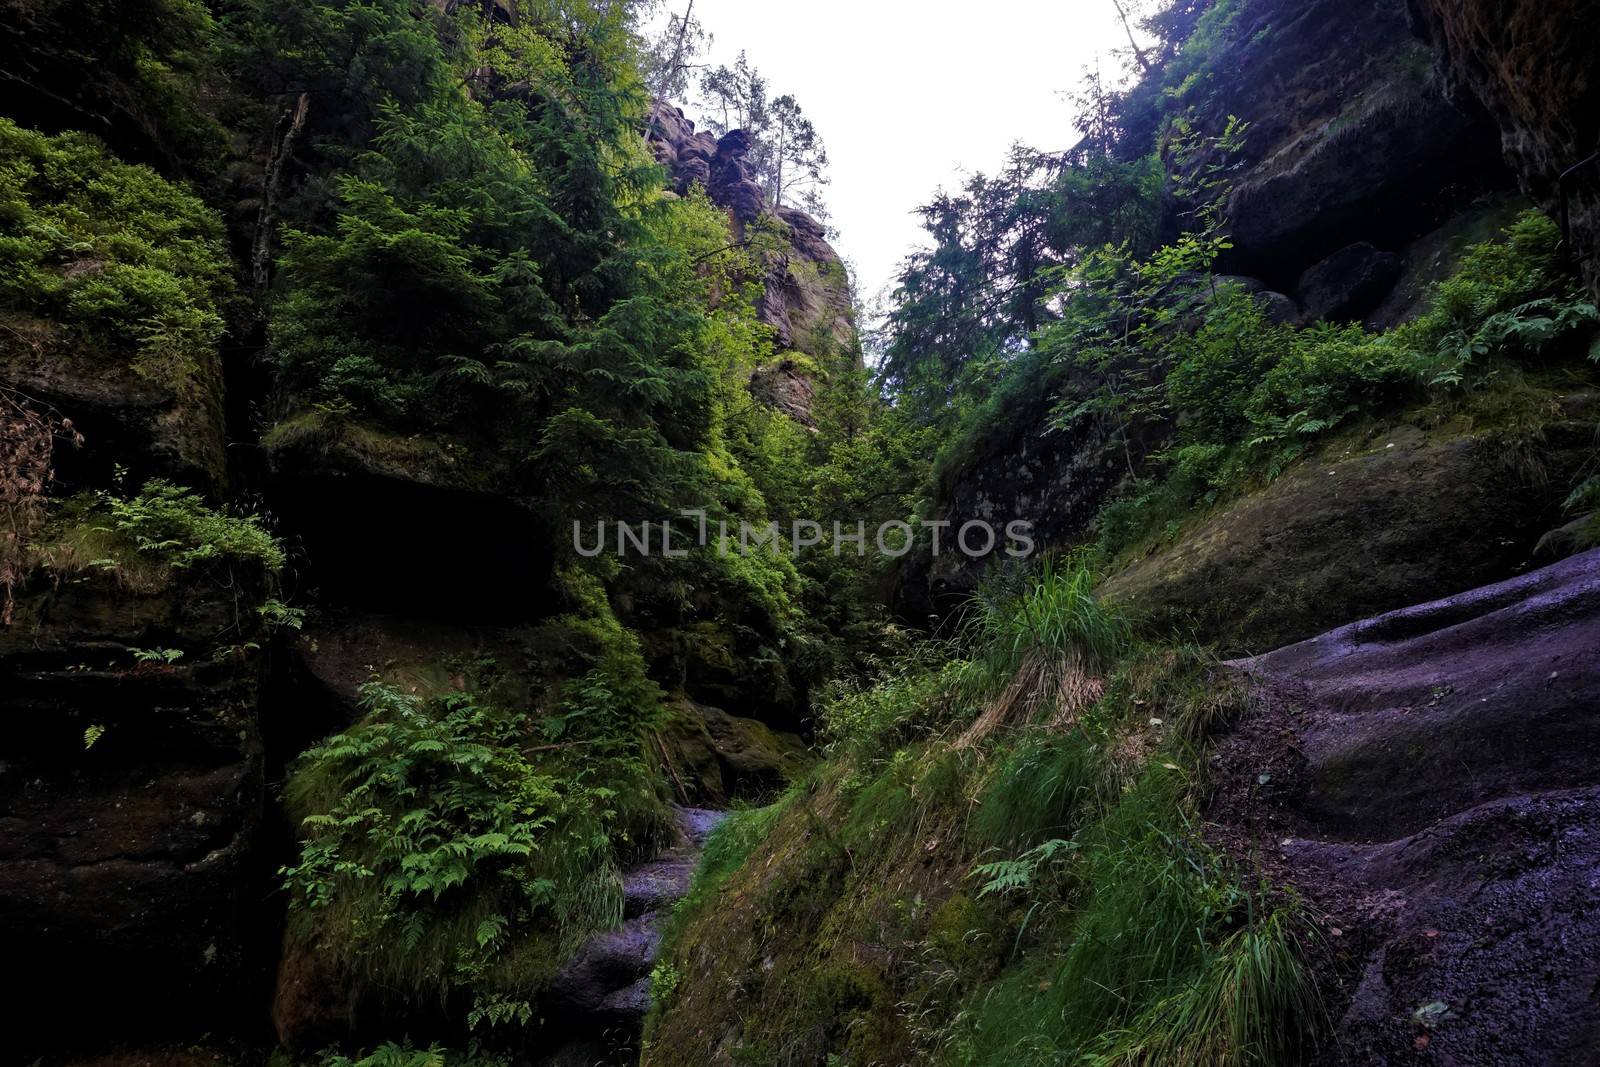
289 128
1138 53
670 75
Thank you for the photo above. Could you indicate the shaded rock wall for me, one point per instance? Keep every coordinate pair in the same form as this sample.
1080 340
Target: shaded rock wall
130 871
1535 66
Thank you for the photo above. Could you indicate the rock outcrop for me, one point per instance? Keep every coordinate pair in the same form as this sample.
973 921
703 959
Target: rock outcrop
1351 137
1371 522
1532 64
806 290
1426 778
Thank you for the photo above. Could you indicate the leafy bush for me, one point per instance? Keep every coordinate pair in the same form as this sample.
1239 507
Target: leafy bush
173 525
1251 396
437 856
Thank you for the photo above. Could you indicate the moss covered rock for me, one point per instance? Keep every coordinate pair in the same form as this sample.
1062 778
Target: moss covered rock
1381 517
114 286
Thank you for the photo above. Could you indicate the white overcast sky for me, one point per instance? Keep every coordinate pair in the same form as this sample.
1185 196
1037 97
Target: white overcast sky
910 96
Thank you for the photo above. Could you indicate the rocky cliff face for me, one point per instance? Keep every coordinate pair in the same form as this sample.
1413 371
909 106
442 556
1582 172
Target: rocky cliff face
1533 67
806 290
1364 176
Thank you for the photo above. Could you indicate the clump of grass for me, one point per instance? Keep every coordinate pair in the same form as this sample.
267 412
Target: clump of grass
1041 643
1254 1003
1148 945
1043 788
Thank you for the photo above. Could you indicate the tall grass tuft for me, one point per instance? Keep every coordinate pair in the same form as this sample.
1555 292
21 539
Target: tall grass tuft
1040 644
1253 1004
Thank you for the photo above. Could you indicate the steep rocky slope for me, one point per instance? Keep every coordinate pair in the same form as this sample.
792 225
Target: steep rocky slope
1361 181
1428 781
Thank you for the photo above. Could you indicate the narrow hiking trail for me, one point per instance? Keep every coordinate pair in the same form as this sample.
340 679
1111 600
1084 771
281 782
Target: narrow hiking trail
601 995
1427 780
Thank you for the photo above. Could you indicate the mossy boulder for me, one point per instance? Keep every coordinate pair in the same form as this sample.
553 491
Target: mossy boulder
714 756
1384 516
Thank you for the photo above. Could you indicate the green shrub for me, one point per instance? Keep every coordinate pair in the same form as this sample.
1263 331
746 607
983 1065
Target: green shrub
174 526
437 857
1250 396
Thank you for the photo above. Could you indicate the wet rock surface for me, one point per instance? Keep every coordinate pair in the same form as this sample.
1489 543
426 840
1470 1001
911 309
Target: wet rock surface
605 988
1428 780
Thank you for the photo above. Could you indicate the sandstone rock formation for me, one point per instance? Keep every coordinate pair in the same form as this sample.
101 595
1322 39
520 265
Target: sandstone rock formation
806 290
1532 65
1426 779
131 801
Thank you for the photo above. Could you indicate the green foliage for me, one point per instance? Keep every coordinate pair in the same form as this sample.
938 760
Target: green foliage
1016 875
1166 958
419 800
406 1055
140 73
1043 788
113 254
448 845
165 656
1092 922
146 541
901 699
1252 395
174 526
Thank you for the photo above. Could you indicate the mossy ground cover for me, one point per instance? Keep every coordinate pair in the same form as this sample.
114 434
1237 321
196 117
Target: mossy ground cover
1041 894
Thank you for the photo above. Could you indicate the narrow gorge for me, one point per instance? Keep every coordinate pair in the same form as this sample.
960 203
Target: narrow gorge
481 585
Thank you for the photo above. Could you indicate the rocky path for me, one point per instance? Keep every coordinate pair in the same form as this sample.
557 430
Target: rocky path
601 995
1429 779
